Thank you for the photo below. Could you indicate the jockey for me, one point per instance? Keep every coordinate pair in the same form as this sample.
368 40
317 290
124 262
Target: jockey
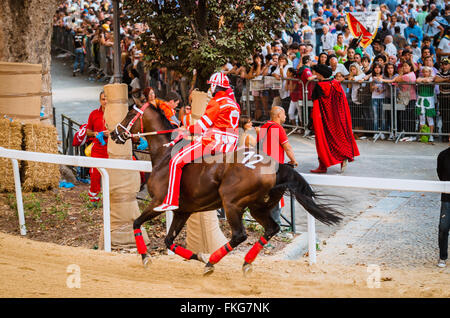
219 133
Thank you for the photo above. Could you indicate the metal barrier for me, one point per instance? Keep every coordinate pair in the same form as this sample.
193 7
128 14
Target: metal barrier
96 57
68 129
396 112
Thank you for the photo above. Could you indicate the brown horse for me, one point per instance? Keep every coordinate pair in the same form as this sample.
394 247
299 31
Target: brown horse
233 181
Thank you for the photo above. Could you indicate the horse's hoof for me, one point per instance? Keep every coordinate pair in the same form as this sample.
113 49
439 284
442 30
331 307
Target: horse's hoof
209 269
203 258
146 261
247 269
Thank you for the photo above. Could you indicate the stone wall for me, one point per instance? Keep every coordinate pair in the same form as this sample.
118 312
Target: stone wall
25 36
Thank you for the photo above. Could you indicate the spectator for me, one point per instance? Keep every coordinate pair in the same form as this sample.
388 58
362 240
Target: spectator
295 89
444 97
413 31
307 32
135 86
355 75
323 58
443 50
340 49
275 143
432 28
377 88
390 73
79 43
281 73
406 99
425 101
328 40
261 102
390 47
399 40
296 33
337 67
443 172
248 134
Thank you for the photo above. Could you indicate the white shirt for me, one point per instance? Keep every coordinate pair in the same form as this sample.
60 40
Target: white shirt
340 68
328 41
283 92
444 45
391 49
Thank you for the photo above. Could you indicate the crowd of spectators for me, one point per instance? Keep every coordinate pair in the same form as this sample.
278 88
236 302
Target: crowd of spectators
410 50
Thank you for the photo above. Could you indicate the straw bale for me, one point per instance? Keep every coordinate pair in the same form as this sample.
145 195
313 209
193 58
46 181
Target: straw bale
37 175
11 138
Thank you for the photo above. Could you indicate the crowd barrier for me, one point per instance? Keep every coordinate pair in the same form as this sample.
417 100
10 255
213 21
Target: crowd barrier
98 59
395 114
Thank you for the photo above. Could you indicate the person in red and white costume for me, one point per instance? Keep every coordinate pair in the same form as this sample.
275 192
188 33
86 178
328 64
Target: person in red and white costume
219 132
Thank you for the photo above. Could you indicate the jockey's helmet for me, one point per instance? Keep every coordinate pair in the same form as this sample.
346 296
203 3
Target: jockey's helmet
218 79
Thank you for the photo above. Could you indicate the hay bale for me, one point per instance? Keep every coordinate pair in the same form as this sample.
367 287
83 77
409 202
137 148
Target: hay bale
11 138
37 175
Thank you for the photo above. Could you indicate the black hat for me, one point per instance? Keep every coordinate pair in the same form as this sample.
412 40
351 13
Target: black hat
323 70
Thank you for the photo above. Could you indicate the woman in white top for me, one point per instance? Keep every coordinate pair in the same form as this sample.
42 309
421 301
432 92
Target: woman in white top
377 88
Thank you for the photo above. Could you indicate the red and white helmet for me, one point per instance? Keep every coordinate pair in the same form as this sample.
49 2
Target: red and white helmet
218 79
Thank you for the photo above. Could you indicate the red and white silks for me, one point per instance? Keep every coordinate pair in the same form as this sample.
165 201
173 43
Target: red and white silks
219 133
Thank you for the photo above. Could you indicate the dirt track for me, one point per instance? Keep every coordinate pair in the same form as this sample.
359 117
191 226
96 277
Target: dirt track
35 269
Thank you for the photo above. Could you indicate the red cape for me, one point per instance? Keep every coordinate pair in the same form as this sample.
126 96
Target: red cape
333 124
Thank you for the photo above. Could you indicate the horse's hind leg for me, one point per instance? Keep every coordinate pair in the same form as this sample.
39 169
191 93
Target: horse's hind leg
238 235
178 222
263 217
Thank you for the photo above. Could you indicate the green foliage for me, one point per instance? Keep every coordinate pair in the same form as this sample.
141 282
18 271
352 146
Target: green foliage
205 34
32 205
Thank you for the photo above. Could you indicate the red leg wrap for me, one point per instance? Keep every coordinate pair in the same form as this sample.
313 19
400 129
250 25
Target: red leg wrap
142 249
179 250
221 252
251 255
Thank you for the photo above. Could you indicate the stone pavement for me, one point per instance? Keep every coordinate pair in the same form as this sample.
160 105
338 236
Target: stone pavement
400 231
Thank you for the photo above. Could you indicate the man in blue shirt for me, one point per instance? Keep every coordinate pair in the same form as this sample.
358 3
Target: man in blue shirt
413 32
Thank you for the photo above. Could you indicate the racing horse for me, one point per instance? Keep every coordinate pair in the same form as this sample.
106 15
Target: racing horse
235 181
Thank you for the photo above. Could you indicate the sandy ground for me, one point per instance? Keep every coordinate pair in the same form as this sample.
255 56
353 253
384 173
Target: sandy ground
36 269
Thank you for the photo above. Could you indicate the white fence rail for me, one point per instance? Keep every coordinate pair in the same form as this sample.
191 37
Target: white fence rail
102 164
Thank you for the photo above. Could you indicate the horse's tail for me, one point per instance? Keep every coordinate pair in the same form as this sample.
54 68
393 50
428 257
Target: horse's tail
289 179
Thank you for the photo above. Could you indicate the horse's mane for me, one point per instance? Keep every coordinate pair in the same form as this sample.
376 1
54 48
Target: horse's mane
167 124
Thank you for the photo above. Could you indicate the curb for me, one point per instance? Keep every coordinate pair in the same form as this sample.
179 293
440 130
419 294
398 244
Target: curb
295 249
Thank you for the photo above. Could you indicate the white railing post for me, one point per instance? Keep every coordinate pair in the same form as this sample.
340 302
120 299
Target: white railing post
106 210
169 218
311 238
19 199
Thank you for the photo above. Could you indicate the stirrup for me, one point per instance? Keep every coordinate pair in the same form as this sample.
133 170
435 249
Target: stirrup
165 207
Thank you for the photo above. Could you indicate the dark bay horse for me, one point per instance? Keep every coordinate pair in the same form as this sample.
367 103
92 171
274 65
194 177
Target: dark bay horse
234 181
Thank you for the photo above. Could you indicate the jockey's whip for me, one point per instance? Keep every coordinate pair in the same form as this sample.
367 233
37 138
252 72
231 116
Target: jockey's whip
161 132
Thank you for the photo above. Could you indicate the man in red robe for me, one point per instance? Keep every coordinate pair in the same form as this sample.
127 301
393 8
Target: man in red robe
332 122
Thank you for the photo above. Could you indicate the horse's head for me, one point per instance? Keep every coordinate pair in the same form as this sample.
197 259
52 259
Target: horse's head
131 124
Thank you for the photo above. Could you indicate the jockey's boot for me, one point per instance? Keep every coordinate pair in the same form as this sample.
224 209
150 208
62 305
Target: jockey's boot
321 169
165 207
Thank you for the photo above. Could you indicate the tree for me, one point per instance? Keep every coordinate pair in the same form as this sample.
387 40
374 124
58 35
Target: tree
204 34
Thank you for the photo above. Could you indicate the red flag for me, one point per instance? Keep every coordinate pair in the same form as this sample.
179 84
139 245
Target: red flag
358 30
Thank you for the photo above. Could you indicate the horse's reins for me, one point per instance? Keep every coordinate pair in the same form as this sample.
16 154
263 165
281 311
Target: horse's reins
140 113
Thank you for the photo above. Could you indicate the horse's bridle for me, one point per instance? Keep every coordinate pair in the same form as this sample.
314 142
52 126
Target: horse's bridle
127 132
140 114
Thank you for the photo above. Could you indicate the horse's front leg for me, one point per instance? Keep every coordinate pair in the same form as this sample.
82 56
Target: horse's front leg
147 215
178 222
238 235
